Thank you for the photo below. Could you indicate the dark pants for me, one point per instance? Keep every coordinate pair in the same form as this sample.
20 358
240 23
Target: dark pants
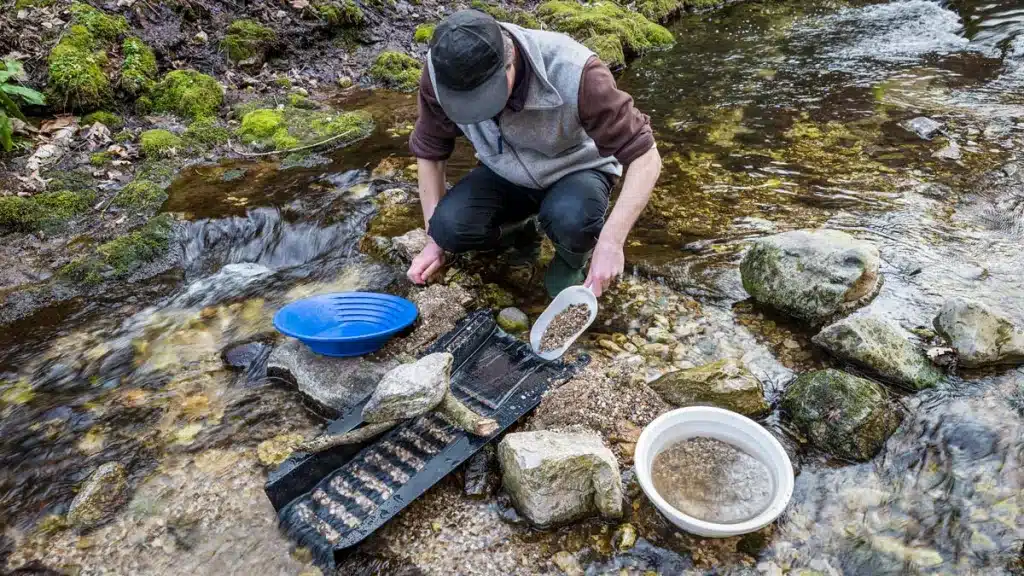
571 211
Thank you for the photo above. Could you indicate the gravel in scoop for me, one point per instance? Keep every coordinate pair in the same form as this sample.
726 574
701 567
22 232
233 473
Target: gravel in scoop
563 326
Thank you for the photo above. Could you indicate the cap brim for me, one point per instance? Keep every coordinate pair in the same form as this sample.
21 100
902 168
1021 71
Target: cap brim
481 103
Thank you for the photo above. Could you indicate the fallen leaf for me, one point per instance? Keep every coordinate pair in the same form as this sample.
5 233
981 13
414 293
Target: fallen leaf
300 4
51 126
98 135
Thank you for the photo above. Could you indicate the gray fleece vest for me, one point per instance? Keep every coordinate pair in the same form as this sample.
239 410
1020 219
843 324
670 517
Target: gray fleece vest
545 141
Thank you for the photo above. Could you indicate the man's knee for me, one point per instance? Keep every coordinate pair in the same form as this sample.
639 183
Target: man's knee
574 220
455 230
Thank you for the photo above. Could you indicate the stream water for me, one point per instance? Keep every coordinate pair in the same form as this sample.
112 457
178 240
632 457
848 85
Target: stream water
770 116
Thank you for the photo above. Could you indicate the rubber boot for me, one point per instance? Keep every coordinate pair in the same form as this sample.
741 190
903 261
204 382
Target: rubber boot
565 269
522 239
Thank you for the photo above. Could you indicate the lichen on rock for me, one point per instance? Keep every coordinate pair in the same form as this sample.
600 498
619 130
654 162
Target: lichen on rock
396 70
841 414
880 346
188 93
725 384
980 336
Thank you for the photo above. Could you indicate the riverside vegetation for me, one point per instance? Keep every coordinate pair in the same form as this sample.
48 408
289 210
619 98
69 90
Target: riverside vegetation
193 167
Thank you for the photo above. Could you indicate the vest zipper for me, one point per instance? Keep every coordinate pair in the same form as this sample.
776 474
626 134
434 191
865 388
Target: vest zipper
501 138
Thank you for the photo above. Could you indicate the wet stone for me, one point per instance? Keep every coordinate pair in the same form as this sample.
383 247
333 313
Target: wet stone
240 356
880 346
276 450
841 414
979 335
558 477
100 497
332 384
513 320
479 476
725 384
410 244
923 126
410 389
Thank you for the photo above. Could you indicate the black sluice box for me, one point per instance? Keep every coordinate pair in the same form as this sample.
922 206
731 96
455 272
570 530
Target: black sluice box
331 501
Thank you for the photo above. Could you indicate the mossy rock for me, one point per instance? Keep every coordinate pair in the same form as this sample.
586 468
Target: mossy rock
101 496
344 13
247 40
159 143
140 194
636 33
138 69
76 76
397 71
188 93
206 132
424 32
104 27
43 210
841 414
99 158
510 15
108 119
273 129
608 48
127 253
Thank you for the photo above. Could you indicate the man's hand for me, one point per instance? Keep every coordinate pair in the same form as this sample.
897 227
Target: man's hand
429 260
606 263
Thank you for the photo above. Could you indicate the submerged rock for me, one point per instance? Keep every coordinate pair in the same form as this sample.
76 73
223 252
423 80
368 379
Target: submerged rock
277 449
980 336
557 477
410 244
101 496
812 275
513 320
923 126
846 416
332 384
410 389
881 347
725 384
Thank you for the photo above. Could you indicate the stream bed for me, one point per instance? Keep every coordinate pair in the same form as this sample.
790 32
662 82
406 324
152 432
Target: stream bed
770 116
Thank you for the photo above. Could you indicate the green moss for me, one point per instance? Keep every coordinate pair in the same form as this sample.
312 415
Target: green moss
206 132
299 101
17 213
103 26
76 76
20 4
344 13
424 32
608 48
636 33
188 93
512 16
99 158
138 69
141 195
292 127
247 39
159 143
283 82
123 136
43 210
84 270
396 70
661 10
108 119
127 253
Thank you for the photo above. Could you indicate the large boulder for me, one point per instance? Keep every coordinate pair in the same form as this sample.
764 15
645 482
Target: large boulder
979 335
813 275
725 384
841 414
103 493
881 347
410 389
332 384
556 477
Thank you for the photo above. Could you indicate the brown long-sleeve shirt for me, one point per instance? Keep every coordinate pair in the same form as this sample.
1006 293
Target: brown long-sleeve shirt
607 114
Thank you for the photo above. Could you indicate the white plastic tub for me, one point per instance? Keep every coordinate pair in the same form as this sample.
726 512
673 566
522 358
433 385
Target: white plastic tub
729 427
569 296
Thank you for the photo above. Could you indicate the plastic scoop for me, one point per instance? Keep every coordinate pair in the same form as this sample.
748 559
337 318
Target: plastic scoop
569 296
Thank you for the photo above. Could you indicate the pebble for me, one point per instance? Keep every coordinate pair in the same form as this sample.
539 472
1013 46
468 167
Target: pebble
624 537
609 345
513 320
567 563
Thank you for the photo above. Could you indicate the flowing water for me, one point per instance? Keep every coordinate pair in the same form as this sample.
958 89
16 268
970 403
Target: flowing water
770 116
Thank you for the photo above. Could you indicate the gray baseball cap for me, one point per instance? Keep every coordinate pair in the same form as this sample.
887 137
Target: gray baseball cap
467 59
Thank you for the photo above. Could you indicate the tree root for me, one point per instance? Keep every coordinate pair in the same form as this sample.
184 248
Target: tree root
327 441
464 417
